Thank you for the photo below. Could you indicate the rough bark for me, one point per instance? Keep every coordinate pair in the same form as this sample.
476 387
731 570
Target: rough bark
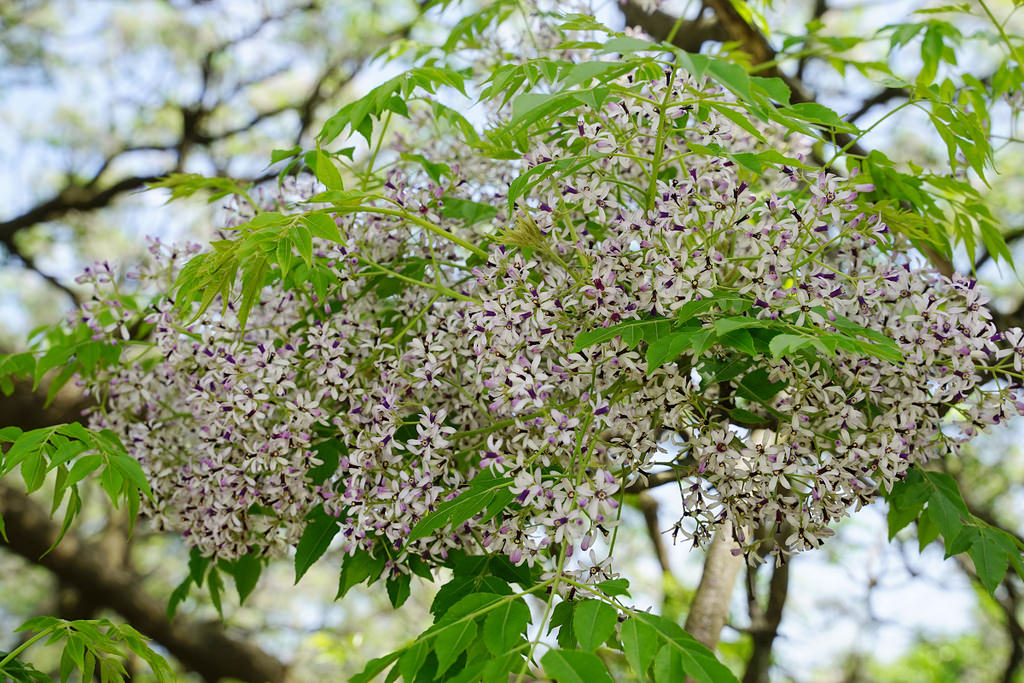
710 607
764 623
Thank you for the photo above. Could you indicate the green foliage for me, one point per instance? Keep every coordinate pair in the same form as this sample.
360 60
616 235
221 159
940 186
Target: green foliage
573 666
935 501
188 184
491 630
70 453
487 494
91 647
320 530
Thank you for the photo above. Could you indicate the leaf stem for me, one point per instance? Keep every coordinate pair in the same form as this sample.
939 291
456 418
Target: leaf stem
24 646
436 229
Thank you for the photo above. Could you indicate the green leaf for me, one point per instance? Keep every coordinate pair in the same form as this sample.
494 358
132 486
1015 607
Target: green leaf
963 541
302 238
329 454
322 225
625 44
246 572
33 472
434 170
129 468
178 596
640 644
398 589
906 500
631 331
505 625
614 587
991 556
775 88
926 532
486 493
320 531
358 568
187 184
818 113
562 619
29 444
733 76
726 325
374 668
497 669
83 467
277 155
412 660
215 585
453 591
593 622
783 344
583 72
741 340
469 211
572 666
451 641
666 349
697 660
667 667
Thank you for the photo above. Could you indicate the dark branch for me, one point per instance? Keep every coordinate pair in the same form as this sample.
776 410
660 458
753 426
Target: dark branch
649 507
657 479
881 97
690 36
764 623
30 263
71 198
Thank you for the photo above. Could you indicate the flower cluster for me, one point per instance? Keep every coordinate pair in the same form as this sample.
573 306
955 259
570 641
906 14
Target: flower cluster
811 357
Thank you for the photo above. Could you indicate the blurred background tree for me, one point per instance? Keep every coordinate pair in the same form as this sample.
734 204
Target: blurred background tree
99 98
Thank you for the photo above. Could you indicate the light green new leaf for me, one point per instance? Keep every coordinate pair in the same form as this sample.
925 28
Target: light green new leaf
323 226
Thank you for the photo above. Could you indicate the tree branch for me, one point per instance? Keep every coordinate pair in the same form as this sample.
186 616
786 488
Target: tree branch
653 481
690 36
71 198
881 97
764 623
649 506
710 607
